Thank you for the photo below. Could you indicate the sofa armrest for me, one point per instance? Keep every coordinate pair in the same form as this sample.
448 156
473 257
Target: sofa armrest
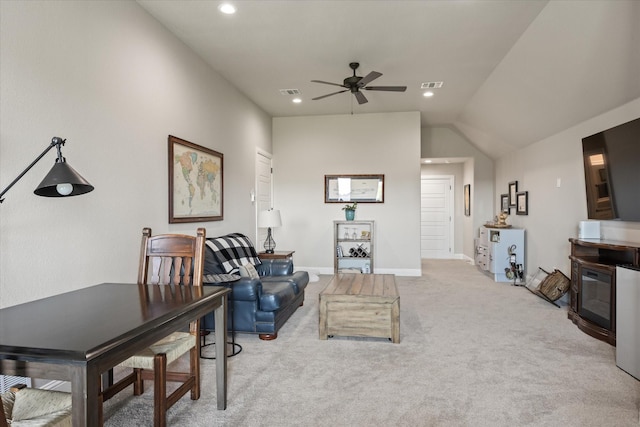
275 267
245 289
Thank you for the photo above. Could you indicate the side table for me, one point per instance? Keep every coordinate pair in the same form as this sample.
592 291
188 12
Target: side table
276 255
225 280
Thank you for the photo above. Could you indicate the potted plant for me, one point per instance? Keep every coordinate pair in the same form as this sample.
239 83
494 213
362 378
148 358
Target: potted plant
350 211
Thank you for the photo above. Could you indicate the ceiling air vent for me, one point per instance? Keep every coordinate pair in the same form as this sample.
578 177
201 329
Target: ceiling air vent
290 92
431 85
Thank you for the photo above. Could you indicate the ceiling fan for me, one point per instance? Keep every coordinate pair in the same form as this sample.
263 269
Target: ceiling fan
356 83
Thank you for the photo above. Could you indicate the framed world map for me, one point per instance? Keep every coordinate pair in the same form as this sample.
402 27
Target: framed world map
195 182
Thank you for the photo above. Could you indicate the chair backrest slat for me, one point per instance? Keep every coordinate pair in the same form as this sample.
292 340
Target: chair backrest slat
171 258
176 259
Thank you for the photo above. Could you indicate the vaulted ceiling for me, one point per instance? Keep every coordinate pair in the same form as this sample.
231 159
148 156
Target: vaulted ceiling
513 72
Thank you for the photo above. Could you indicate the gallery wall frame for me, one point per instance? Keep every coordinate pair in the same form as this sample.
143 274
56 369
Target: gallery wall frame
504 203
195 182
467 200
354 188
513 189
522 203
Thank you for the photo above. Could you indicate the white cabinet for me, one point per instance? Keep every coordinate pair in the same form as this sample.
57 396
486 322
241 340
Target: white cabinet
500 252
353 246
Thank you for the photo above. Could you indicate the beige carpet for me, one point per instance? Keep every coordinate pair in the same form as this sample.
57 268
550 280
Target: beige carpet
472 353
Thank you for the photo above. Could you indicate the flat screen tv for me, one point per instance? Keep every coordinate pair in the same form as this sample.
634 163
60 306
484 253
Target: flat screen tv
612 172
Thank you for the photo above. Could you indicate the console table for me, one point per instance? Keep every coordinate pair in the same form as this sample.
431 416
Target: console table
276 255
593 284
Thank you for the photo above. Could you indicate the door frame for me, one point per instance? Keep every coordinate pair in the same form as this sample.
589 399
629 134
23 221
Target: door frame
256 195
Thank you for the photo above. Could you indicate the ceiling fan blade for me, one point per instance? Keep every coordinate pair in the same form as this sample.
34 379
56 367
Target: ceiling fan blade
360 97
324 96
387 88
368 78
327 83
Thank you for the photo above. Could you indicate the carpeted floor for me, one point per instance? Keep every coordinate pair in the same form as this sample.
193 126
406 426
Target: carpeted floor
473 353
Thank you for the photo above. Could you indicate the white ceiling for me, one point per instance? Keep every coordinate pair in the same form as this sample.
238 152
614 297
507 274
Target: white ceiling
514 72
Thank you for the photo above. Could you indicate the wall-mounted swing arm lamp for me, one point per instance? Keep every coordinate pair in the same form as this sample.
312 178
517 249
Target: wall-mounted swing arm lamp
61 181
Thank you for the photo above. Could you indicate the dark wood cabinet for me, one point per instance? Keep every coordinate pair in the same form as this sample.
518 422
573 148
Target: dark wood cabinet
593 284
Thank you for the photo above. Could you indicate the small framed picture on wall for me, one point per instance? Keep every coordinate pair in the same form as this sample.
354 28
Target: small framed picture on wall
522 200
504 203
513 189
467 200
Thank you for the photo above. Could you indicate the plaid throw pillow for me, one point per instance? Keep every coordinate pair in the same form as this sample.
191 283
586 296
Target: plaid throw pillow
232 251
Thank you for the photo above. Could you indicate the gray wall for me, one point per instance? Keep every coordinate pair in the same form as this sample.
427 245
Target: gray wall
115 83
555 212
307 148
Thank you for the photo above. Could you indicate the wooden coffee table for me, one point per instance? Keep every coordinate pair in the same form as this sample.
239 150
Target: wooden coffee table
360 305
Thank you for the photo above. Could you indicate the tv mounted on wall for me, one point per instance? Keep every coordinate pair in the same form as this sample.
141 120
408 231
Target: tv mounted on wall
612 172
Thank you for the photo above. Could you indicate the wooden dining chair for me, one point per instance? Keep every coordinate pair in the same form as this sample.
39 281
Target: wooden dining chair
167 259
23 406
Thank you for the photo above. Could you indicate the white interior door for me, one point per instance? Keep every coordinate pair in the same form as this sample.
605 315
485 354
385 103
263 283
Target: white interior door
436 217
264 192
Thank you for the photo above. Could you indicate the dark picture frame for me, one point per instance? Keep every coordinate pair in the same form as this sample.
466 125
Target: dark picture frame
504 203
195 182
467 200
522 203
354 188
513 189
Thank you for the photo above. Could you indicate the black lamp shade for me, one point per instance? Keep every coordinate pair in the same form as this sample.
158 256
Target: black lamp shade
62 173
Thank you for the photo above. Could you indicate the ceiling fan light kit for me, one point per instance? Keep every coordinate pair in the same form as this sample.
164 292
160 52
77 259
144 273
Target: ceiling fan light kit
355 83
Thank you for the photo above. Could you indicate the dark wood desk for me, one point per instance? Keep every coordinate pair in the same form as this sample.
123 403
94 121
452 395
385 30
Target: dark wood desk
76 336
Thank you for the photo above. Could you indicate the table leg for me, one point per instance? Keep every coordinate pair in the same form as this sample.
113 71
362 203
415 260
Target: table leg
85 390
221 353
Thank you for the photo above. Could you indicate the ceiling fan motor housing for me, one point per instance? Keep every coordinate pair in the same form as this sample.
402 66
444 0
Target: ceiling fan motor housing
352 83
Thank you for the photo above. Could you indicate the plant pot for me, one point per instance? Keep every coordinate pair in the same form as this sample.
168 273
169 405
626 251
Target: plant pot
350 214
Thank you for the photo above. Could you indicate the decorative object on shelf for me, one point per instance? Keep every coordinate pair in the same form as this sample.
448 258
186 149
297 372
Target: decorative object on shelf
504 203
499 221
358 252
195 182
61 181
354 188
522 199
268 219
502 220
467 200
350 212
513 189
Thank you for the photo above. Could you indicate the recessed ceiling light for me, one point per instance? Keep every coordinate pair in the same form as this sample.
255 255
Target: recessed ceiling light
428 94
296 100
227 8
428 161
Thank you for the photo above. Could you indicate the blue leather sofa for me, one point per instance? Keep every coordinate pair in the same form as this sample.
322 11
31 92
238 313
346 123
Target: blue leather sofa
257 305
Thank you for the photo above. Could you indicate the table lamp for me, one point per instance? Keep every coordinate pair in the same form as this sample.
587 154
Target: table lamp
61 181
267 219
